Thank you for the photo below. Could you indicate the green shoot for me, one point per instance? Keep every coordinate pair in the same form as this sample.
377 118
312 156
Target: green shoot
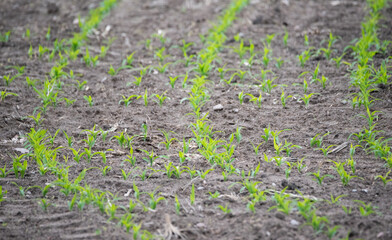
384 178
306 99
173 80
128 100
5 94
89 99
320 178
160 98
283 98
192 196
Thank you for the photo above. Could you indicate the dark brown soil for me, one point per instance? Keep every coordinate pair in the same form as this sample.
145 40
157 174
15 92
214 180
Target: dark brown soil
131 23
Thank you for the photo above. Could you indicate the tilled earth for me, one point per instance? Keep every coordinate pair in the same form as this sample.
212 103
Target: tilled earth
131 23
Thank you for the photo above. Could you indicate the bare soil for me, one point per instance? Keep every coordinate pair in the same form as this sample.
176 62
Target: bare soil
131 23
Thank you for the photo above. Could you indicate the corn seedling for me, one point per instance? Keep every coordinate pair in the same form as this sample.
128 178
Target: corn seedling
241 50
2 194
345 177
5 94
241 97
279 63
267 134
300 165
104 170
384 179
256 148
365 209
317 222
44 204
202 174
214 195
306 99
160 98
238 135
338 60
352 164
323 81
332 231
192 196
173 80
268 39
267 85
304 57
4 172
335 200
256 99
168 140
326 150
317 140
283 204
320 178
89 99
145 98
80 84
306 40
346 209
112 71
4 37
8 79
285 38
20 188
266 58
128 100
328 51
283 98
150 156
225 209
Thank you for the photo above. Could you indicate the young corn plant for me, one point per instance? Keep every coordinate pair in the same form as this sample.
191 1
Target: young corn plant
168 140
285 38
241 50
365 209
317 140
328 51
145 98
150 157
279 63
256 147
304 57
338 60
89 99
192 195
306 99
241 97
322 81
225 209
128 100
2 194
8 79
5 94
320 178
160 98
4 37
326 150
384 179
283 98
284 205
256 99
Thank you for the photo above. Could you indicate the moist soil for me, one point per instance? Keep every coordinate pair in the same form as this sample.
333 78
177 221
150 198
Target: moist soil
131 23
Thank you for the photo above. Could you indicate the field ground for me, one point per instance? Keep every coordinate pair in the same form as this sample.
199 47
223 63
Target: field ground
227 216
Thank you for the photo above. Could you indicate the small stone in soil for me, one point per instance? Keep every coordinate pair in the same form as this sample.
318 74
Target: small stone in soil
294 222
218 107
